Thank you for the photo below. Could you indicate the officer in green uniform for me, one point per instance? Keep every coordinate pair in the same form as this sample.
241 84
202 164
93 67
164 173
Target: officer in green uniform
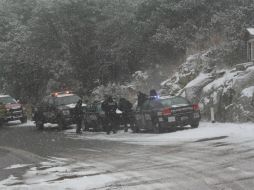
2 113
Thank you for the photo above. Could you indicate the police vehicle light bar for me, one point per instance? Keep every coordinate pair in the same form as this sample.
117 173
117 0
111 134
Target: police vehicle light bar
58 93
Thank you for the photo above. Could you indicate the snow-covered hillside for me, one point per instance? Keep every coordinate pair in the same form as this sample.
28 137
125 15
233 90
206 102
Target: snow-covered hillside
228 90
201 79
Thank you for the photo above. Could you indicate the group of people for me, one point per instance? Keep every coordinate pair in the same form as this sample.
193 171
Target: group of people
109 106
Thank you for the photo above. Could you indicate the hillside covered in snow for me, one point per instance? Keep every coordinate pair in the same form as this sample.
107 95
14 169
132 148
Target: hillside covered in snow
228 89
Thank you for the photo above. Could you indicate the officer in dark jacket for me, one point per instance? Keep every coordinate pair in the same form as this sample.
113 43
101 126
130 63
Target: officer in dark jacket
109 106
141 99
153 94
127 114
79 116
2 113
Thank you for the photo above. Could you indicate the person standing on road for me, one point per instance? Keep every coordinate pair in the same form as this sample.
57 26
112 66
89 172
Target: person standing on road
109 106
2 113
125 106
141 99
153 94
79 116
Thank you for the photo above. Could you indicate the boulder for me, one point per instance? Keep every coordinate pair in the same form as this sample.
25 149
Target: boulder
229 91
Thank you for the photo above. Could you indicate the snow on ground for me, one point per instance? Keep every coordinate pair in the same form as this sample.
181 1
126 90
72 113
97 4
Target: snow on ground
219 82
58 174
17 123
248 92
234 132
199 80
17 166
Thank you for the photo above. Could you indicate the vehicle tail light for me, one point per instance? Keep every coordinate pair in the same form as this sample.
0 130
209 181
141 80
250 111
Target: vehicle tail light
195 107
166 112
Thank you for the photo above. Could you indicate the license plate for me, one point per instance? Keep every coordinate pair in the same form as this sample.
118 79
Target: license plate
138 117
184 118
171 119
66 112
196 115
147 117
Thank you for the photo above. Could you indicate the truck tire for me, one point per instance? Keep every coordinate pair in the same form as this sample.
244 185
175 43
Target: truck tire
195 125
135 128
23 119
39 125
61 124
157 128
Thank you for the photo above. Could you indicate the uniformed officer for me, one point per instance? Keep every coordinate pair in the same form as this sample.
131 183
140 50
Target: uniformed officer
109 106
141 99
153 94
125 106
2 113
79 116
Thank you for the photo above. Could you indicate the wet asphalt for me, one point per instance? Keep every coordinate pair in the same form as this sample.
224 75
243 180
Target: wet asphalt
28 145
206 164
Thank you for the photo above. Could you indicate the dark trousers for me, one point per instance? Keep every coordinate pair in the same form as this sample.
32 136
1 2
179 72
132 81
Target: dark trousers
111 123
79 125
128 118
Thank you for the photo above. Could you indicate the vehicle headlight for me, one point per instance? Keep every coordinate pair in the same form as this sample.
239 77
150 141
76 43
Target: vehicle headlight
66 112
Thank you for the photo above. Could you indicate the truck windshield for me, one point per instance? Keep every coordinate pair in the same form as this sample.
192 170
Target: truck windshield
65 100
7 100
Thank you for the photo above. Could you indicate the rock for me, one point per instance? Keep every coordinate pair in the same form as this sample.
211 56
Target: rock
228 91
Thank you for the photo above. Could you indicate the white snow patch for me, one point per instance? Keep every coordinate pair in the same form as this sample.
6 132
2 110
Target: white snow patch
58 174
234 131
17 123
198 80
17 166
219 82
9 181
251 31
248 92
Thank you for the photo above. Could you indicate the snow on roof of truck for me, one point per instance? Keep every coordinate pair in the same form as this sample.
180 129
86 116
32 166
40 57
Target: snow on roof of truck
63 95
166 97
251 31
3 96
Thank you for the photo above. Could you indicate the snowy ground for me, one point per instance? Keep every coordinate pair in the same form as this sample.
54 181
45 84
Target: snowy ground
213 156
233 132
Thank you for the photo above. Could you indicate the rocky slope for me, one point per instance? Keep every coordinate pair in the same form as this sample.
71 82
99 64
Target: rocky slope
201 79
228 90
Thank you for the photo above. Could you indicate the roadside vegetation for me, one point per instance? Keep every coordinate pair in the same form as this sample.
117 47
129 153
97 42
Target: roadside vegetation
52 44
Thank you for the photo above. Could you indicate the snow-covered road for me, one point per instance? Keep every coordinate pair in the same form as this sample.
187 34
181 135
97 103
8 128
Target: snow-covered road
214 156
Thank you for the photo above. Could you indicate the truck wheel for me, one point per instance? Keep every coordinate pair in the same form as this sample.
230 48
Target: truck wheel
195 125
61 124
39 125
23 120
157 128
86 126
98 127
135 128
